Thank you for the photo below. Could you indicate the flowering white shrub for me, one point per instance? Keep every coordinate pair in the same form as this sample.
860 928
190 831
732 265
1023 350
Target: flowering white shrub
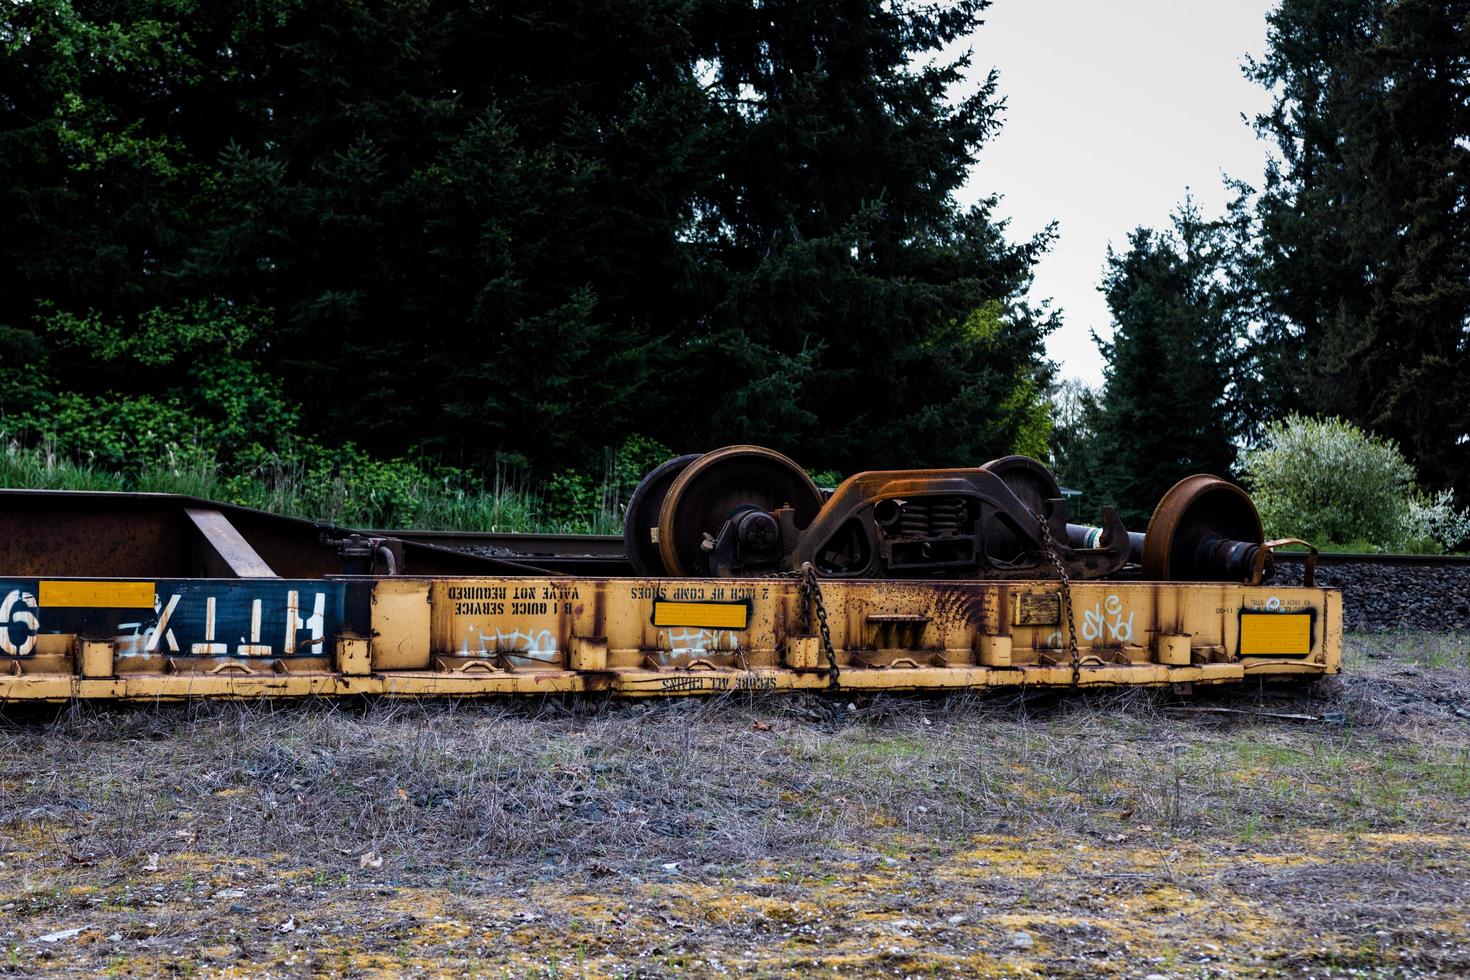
1331 483
1433 520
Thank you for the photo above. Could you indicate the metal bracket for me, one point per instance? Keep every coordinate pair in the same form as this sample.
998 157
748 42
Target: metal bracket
473 667
232 665
1309 574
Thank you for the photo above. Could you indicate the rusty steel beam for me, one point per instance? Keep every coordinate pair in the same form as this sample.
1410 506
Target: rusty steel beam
89 534
226 545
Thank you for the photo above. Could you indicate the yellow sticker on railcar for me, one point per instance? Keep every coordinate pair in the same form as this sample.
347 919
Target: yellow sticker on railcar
702 615
1275 634
97 595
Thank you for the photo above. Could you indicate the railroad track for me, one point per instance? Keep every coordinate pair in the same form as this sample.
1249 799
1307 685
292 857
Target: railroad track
1385 593
1356 558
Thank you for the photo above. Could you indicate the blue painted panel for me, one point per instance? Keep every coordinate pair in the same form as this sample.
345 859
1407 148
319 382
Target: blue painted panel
267 618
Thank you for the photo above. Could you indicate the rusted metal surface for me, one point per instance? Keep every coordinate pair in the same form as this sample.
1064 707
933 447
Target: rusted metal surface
1268 553
430 636
979 582
225 547
516 544
921 522
1375 558
744 510
1204 529
60 533
81 534
732 492
640 523
736 512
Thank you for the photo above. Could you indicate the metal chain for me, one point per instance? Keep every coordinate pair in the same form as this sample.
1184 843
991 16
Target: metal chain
1050 548
811 596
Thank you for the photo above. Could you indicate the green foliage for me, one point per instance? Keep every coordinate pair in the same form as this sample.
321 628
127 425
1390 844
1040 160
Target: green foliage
223 429
341 486
579 500
949 379
213 395
568 494
468 233
161 337
1433 525
1031 415
1330 483
1175 397
43 468
828 479
24 370
1363 250
1072 408
123 434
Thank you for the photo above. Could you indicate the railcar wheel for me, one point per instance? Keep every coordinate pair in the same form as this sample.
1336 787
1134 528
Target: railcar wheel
718 486
640 520
1030 480
1033 484
1192 522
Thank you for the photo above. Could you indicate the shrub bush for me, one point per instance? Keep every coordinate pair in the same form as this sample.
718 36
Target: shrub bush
1339 487
1434 525
1329 482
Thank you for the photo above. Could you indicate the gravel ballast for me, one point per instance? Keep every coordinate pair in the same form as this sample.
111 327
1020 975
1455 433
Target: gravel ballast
1379 597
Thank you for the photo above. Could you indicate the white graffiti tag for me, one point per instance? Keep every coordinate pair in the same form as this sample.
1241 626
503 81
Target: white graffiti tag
139 641
698 642
512 644
1106 619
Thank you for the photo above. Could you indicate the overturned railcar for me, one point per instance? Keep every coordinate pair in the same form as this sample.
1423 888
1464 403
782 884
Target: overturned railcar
734 574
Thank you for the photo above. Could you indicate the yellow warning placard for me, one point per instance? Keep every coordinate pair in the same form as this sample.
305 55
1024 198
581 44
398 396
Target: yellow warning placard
96 595
1275 634
702 615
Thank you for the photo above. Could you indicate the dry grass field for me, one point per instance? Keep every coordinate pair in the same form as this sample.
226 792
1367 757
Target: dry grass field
1047 836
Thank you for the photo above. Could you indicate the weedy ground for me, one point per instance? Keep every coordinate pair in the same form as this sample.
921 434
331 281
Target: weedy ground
1048 835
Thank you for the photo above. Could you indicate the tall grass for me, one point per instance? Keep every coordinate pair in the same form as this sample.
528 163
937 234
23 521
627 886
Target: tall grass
357 493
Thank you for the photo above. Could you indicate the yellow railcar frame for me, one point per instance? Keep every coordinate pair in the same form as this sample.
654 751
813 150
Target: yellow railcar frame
435 636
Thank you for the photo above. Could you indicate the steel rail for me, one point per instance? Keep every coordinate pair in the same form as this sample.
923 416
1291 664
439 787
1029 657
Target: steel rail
1351 558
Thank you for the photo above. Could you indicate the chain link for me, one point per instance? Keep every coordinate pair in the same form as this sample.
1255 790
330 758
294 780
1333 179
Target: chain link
1051 553
811 598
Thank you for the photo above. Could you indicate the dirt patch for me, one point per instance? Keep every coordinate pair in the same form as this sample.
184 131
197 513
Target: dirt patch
1012 836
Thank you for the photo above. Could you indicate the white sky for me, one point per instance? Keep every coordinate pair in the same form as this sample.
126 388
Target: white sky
1113 110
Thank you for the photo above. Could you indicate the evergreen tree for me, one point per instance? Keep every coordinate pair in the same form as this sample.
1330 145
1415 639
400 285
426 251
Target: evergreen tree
1364 257
1176 390
529 227
860 316
1073 408
108 124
